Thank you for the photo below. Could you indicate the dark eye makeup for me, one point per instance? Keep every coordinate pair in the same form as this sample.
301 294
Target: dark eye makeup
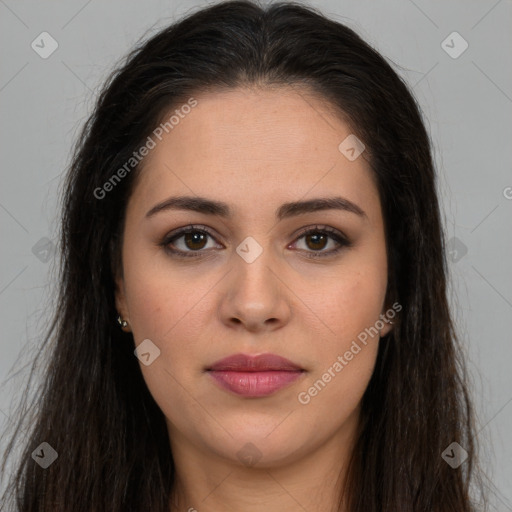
317 233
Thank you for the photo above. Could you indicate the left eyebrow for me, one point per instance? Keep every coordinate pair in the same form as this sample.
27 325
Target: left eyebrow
286 210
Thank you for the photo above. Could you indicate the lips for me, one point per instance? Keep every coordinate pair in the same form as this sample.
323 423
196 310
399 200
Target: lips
254 376
247 363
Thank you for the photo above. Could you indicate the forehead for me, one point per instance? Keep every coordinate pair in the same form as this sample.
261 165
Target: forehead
254 147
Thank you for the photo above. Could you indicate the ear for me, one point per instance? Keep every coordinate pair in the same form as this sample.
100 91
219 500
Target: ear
388 327
391 307
120 297
389 315
119 287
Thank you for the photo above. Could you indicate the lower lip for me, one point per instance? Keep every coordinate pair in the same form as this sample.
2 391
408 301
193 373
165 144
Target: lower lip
254 384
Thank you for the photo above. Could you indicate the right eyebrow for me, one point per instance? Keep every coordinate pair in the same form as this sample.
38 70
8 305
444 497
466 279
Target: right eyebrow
286 210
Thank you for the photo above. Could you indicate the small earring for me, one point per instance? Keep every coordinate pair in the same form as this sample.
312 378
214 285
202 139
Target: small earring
121 322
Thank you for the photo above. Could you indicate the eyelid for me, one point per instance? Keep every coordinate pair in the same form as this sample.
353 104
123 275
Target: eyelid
338 236
186 229
333 233
178 233
322 227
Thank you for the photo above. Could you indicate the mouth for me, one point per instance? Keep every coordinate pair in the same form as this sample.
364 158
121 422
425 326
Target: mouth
254 376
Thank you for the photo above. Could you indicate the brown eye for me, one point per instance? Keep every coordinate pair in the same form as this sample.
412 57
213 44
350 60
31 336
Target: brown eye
195 240
316 241
188 242
192 241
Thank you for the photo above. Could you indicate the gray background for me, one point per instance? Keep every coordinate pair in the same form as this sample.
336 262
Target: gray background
467 102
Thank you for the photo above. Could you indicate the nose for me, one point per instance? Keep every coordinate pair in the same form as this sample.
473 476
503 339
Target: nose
254 295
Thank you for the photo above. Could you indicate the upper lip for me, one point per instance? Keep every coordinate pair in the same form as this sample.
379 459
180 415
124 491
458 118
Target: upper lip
249 363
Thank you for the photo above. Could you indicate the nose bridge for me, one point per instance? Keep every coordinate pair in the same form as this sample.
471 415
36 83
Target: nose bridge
254 268
255 294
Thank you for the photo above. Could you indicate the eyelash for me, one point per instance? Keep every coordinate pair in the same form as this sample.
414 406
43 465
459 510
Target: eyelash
324 230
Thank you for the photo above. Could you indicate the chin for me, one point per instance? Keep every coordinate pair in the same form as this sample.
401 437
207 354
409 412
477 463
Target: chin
261 450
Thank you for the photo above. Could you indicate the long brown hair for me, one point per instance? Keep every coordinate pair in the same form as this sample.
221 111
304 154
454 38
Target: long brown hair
94 407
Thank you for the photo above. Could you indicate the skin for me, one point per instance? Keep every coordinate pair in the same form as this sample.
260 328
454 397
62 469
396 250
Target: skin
255 150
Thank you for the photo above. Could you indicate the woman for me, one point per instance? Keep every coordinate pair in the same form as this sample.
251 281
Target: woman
253 292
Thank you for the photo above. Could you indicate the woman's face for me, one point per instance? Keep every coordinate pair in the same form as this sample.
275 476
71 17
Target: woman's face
251 284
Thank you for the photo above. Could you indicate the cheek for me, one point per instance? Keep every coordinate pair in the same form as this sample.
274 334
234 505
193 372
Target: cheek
160 299
346 356
160 310
173 308
335 392
345 362
350 303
